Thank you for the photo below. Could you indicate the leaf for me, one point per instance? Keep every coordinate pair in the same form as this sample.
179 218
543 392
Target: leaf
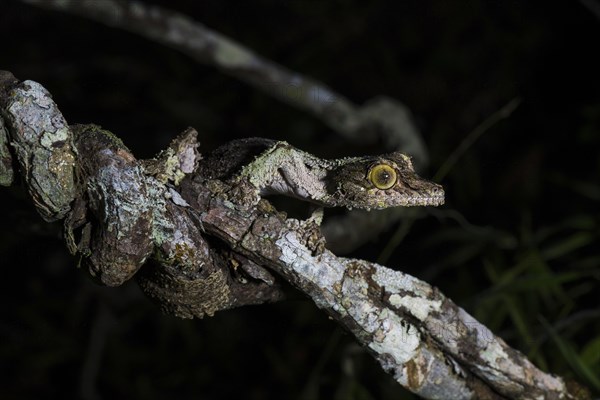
567 246
591 352
570 355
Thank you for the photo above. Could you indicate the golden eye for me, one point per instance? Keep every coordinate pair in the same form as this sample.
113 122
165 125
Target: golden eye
382 176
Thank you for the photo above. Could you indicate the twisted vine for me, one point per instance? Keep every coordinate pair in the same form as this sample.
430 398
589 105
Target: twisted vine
195 253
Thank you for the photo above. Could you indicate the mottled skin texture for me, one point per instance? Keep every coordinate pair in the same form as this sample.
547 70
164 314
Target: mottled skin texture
261 167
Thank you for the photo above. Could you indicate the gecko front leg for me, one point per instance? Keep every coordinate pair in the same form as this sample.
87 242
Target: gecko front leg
257 167
285 170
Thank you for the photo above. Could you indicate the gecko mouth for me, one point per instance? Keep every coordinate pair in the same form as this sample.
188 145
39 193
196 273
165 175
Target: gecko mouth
427 201
436 199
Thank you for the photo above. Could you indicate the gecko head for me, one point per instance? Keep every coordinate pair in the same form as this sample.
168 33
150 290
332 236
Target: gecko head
379 182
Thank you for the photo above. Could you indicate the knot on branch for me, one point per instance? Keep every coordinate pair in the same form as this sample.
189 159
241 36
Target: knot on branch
119 212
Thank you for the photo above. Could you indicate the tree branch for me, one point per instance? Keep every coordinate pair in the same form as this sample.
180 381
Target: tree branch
380 120
207 254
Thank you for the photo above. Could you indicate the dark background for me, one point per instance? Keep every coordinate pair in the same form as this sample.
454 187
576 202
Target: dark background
517 243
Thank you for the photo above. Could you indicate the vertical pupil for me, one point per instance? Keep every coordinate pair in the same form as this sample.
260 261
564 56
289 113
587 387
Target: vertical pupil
384 176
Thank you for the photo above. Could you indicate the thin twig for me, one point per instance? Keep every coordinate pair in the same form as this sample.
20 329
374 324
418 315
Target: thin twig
380 120
475 134
592 6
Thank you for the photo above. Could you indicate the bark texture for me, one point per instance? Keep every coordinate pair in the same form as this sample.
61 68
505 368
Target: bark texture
204 254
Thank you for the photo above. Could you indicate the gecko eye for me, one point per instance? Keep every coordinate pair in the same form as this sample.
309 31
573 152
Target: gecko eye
382 176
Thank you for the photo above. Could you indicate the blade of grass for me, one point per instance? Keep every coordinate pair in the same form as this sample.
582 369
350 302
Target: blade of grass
472 137
591 352
571 356
567 246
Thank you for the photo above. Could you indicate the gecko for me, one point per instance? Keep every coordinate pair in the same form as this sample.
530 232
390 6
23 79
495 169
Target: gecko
270 167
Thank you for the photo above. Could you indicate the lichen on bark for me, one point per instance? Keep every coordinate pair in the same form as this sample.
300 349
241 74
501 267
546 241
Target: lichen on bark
6 169
209 254
43 144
